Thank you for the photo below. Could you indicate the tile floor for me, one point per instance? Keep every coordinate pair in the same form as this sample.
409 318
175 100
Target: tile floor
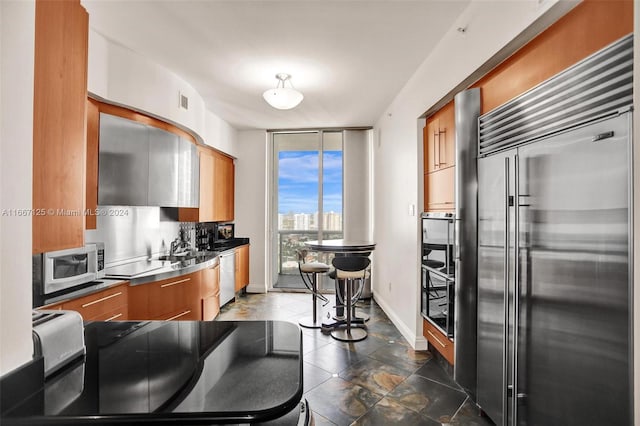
377 381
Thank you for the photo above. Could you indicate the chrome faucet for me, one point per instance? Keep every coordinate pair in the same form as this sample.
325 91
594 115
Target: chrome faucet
175 245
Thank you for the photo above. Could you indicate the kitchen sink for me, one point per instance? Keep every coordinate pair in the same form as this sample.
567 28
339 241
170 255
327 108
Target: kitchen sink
175 258
185 256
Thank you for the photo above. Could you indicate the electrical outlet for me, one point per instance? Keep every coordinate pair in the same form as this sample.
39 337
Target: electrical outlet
389 286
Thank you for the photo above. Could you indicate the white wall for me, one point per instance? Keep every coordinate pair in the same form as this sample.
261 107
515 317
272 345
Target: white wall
251 202
122 76
397 165
17 28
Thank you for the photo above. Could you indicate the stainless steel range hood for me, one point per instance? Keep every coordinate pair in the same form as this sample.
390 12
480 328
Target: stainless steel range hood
141 165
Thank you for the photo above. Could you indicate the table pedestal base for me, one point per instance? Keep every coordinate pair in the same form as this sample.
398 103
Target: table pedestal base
310 322
351 335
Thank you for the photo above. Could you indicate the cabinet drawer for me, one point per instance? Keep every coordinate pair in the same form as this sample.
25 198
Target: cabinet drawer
172 295
98 304
438 340
210 307
440 189
190 313
118 314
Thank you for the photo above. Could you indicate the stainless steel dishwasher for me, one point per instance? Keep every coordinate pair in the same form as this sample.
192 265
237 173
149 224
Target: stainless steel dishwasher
227 276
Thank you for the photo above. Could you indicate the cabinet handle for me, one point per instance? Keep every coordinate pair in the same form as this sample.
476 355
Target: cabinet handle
436 149
179 315
443 148
175 282
114 317
102 299
436 338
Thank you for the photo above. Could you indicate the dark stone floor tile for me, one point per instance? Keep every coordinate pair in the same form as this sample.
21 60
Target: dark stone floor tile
383 330
363 347
332 358
313 376
341 402
429 398
375 376
432 370
401 356
311 342
470 415
321 420
388 412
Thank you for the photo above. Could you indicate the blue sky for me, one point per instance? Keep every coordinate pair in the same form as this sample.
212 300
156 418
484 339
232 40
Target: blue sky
298 181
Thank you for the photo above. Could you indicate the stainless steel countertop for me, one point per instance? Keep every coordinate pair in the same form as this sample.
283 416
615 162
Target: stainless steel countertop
170 270
144 271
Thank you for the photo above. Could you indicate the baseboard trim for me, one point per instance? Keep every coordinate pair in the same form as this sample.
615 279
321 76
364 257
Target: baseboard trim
254 288
418 343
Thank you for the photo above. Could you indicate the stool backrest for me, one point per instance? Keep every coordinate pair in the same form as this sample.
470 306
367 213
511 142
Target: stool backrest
302 255
351 263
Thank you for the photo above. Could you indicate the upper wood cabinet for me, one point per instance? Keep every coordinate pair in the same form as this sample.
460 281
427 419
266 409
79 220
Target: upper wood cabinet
93 136
439 150
216 189
439 140
59 125
224 187
205 211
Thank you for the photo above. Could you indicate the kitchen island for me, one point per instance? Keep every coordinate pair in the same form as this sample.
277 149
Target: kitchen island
182 372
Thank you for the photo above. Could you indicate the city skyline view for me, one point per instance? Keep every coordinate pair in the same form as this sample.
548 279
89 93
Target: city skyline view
298 182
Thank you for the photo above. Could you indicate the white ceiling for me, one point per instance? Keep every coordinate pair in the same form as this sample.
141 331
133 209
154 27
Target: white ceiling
349 58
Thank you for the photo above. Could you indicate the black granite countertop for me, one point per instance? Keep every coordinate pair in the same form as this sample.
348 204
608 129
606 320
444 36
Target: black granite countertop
180 372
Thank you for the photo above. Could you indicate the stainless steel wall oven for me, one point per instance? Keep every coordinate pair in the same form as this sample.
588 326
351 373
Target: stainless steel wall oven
438 270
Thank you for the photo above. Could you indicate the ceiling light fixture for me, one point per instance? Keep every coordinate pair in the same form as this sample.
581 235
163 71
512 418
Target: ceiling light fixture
283 97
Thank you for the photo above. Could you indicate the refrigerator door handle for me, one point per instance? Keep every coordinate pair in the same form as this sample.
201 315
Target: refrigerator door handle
505 337
516 292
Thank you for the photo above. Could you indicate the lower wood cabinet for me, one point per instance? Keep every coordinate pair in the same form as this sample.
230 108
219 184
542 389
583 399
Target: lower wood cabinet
172 298
242 267
189 297
210 291
438 340
106 305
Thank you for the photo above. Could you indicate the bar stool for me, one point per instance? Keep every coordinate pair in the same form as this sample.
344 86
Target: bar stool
309 273
351 269
356 316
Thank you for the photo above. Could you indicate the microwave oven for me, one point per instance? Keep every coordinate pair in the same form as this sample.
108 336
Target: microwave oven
65 269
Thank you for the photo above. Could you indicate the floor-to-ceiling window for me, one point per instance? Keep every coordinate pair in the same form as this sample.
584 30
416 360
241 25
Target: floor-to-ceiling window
307 198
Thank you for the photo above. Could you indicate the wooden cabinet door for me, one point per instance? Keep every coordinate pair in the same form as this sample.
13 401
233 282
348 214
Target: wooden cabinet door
223 195
59 124
210 281
432 163
206 207
242 267
205 210
440 190
93 151
210 307
447 136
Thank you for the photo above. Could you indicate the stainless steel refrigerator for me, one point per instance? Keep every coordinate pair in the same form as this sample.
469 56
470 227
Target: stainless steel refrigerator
554 279
555 238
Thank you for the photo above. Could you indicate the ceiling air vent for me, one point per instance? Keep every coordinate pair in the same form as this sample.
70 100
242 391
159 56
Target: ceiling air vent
184 102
